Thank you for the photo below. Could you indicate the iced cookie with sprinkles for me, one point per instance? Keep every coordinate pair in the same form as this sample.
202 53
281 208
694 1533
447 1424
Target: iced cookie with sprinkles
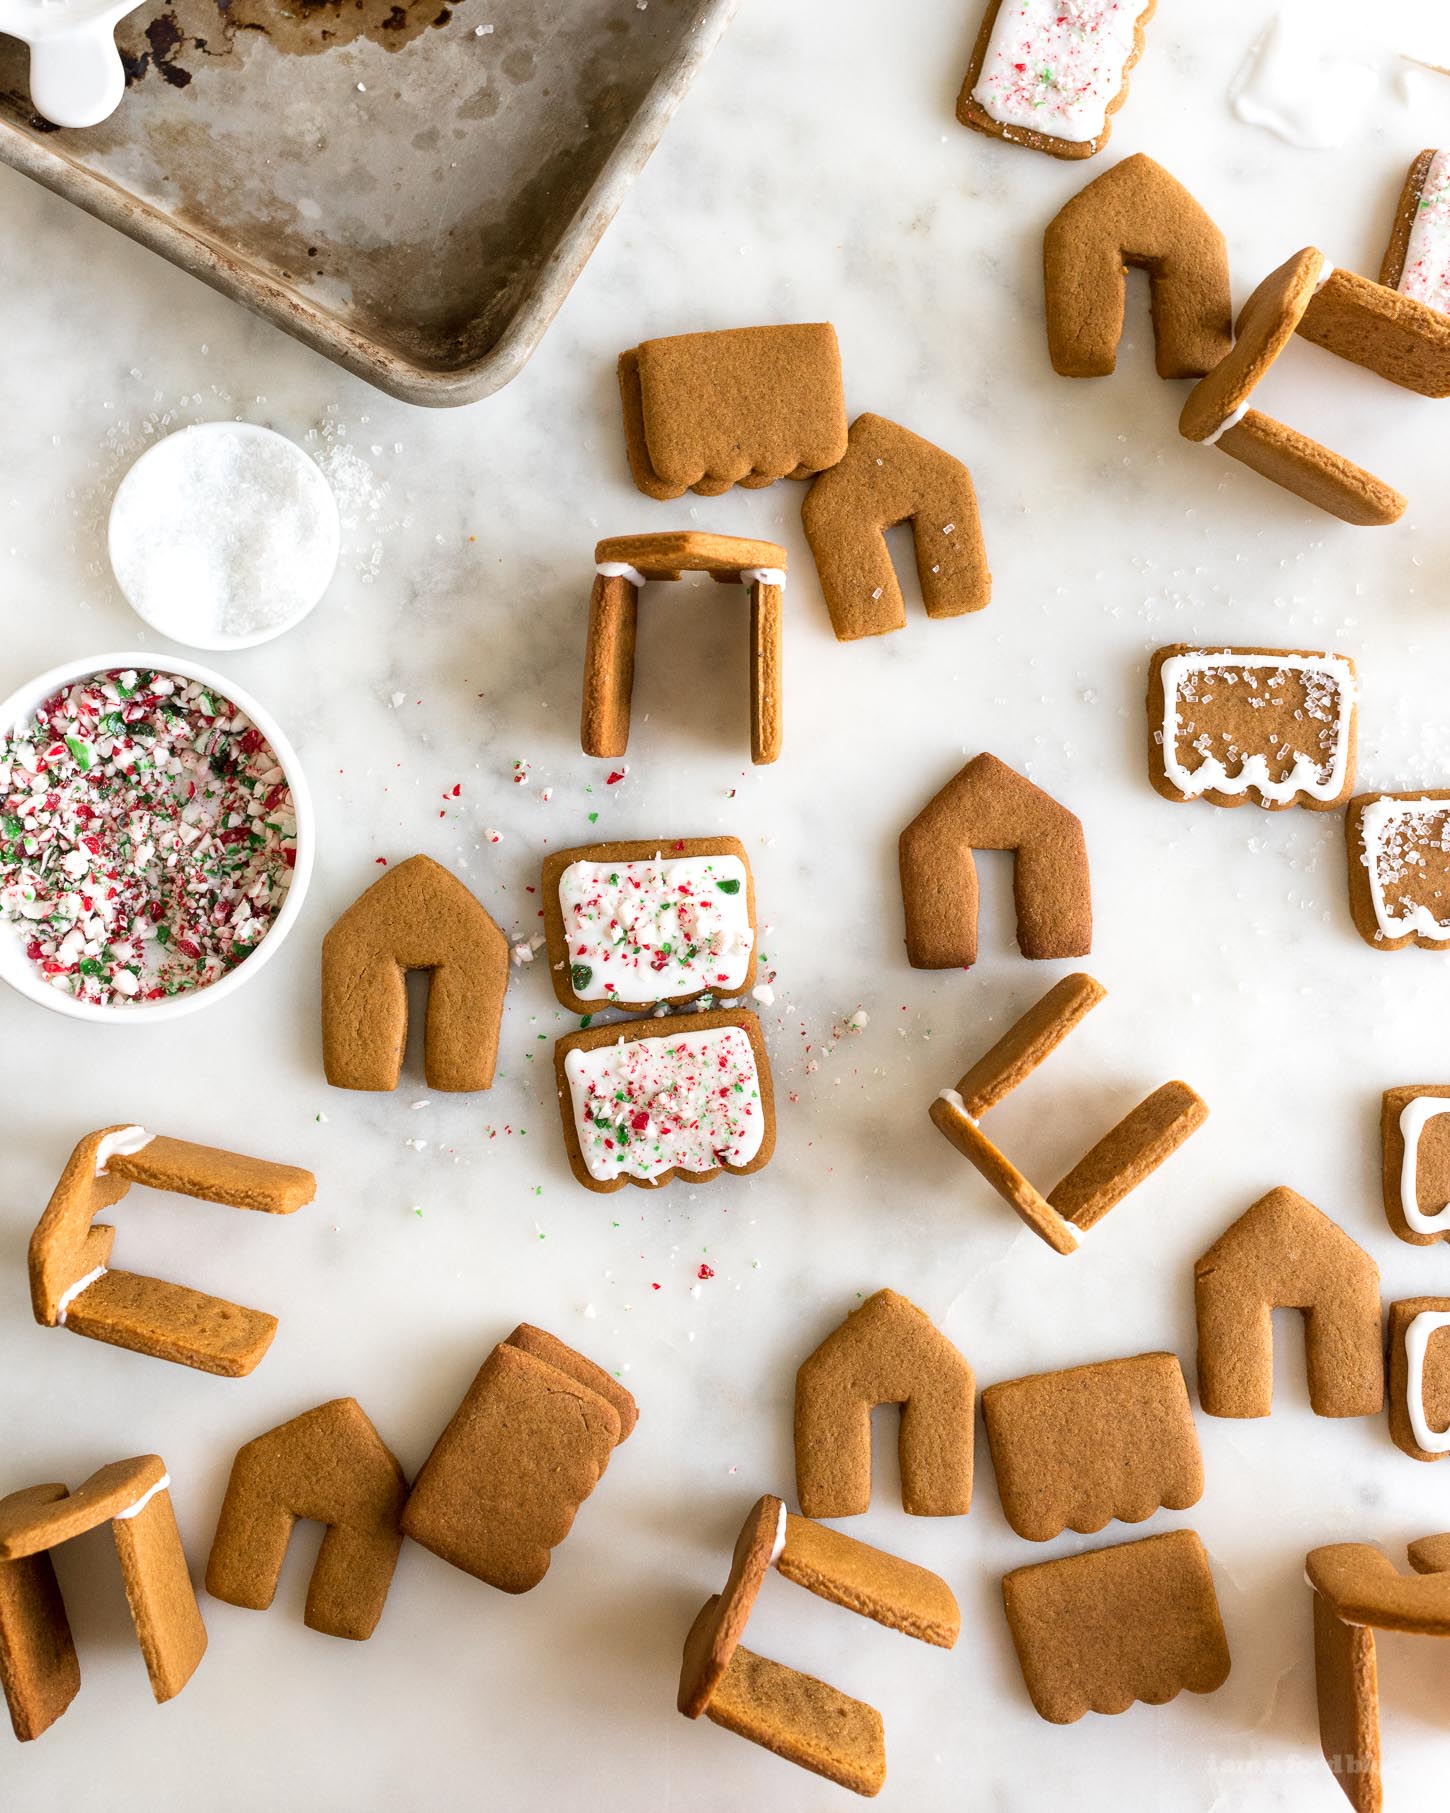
1050 74
1417 259
688 1097
657 920
148 836
1229 725
1415 1150
1399 869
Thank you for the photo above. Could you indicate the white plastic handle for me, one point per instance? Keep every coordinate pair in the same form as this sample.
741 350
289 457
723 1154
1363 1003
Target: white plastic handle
76 78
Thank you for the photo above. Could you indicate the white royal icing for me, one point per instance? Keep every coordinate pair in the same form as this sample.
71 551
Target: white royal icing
141 1503
1426 275
1055 66
619 569
121 1144
1417 1343
1319 776
1378 821
777 1548
656 929
672 1100
1413 1116
1231 420
62 1309
763 576
954 1098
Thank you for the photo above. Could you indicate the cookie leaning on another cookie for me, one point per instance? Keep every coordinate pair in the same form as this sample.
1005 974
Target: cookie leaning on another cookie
524 1449
38 1669
888 477
72 1286
1136 216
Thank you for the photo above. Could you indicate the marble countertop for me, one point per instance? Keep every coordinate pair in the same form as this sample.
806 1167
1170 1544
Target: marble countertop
815 172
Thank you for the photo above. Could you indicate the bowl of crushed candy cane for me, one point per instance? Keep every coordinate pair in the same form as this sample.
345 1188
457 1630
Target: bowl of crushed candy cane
156 838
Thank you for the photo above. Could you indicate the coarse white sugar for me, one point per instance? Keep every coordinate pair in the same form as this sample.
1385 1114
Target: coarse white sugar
223 534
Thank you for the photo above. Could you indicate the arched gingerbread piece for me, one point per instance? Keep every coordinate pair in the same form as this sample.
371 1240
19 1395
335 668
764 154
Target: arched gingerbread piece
328 1465
1136 215
38 1668
886 1352
417 916
72 1286
1283 1253
988 806
891 476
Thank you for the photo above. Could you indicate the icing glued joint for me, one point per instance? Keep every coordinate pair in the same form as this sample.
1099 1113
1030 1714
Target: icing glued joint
1231 420
619 569
62 1309
763 576
163 1484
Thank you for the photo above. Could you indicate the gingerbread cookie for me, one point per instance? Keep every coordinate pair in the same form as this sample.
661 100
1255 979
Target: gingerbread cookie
1283 1253
1419 1377
523 1450
1078 1448
1415 1143
866 1580
987 806
1364 1587
886 1352
71 1285
1346 1687
890 476
1136 216
623 565
1218 411
1399 868
1417 259
1113 1168
646 1102
328 1465
417 916
1278 726
38 1669
1096 1631
1387 331
798 1717
747 406
664 919
1051 77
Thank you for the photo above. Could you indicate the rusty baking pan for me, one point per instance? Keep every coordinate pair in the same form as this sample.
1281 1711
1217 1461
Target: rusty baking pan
409 188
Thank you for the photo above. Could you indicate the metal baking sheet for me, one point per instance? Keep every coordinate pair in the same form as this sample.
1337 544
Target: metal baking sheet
409 188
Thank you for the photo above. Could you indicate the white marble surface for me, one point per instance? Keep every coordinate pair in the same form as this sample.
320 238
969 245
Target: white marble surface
816 171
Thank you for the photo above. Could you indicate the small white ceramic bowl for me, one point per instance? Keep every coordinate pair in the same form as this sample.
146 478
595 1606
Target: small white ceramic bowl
146 506
18 970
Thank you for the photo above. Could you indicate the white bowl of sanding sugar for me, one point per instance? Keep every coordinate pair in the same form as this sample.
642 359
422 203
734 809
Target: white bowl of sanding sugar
224 535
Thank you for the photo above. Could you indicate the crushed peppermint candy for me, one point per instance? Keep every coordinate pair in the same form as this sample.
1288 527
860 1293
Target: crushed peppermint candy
147 836
657 929
688 1101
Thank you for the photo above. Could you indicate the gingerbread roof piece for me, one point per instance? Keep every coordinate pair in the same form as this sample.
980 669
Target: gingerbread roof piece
328 1465
745 406
1077 1448
1136 216
38 1669
987 806
623 565
868 1581
716 1632
524 1449
886 1352
71 1285
891 476
1096 1631
416 917
1393 335
1365 1587
1283 1253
